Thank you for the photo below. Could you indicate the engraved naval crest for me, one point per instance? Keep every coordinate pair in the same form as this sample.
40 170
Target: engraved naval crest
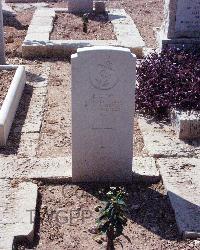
103 76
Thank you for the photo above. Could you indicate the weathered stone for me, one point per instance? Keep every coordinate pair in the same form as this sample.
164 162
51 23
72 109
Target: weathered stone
17 211
103 83
80 6
160 141
10 104
2 50
28 144
181 178
181 24
145 170
42 36
36 168
186 124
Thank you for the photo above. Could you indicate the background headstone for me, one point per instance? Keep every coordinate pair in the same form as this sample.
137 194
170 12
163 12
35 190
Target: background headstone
103 90
100 7
181 24
80 6
2 50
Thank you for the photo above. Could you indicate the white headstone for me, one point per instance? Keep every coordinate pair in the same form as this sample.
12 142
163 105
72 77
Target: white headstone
103 91
80 6
2 51
181 21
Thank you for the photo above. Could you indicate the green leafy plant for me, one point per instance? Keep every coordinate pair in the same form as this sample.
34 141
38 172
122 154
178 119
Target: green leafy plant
85 22
112 218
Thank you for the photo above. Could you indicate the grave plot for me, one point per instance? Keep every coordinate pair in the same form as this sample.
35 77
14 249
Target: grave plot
12 84
68 214
38 41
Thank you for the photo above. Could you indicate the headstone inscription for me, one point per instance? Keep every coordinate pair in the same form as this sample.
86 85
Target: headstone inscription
103 86
181 24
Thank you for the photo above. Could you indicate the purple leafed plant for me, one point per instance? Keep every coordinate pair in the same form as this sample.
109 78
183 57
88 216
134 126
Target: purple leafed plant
168 80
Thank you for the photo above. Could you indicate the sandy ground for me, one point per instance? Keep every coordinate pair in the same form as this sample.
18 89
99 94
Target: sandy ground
67 219
5 81
68 26
15 29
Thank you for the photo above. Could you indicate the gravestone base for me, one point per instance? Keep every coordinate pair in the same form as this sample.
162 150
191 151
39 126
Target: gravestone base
164 42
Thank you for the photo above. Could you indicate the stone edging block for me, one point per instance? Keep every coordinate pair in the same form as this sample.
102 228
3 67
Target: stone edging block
17 211
10 104
186 124
143 168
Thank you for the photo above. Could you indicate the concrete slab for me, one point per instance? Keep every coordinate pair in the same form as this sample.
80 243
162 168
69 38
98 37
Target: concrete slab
181 179
42 36
161 141
17 202
144 169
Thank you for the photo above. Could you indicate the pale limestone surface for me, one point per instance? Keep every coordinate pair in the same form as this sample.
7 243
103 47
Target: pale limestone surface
103 86
181 179
2 51
143 168
15 219
161 141
38 43
186 124
80 6
11 102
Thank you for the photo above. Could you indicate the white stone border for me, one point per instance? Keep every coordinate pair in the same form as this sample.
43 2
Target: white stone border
37 42
10 104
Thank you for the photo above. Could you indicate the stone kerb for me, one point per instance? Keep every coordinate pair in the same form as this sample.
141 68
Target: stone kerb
10 104
38 43
103 85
